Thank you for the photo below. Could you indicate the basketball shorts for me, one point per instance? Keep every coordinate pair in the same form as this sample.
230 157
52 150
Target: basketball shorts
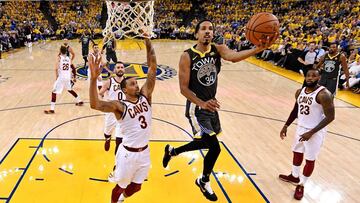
85 52
202 121
131 166
111 56
110 123
310 148
60 84
330 83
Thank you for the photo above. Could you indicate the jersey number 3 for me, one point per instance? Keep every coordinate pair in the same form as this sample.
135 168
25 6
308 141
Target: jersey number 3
143 123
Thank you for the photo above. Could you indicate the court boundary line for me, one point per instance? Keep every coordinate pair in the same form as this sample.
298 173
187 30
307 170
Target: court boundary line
155 140
8 152
68 121
180 105
246 173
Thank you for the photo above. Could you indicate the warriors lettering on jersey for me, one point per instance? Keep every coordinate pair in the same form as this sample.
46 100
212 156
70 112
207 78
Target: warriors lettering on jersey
138 109
206 70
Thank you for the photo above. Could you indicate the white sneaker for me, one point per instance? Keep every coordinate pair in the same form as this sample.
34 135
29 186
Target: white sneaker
206 189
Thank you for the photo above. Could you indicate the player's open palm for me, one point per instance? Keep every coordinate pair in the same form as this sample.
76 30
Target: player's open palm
95 67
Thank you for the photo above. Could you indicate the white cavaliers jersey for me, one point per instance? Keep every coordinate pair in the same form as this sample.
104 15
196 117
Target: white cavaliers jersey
136 123
114 90
310 112
64 69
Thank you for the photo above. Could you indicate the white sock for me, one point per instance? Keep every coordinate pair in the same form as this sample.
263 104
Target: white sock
78 99
303 179
52 106
122 197
295 171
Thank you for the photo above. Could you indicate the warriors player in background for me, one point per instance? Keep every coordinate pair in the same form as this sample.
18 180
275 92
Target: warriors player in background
134 117
314 109
110 47
63 79
330 69
198 70
114 92
85 40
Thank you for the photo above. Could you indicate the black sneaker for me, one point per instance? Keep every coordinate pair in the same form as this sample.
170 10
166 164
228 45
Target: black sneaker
206 189
167 155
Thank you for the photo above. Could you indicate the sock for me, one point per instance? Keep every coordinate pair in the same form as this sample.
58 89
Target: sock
295 171
303 179
122 197
205 178
77 99
52 106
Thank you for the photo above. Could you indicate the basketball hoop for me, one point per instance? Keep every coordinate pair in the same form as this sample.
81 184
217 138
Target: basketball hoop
129 18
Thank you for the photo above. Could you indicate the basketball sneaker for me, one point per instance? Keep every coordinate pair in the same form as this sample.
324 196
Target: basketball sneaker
299 192
49 111
290 178
167 155
205 188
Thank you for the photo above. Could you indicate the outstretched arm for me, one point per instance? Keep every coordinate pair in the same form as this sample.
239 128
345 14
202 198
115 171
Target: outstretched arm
95 103
233 56
149 85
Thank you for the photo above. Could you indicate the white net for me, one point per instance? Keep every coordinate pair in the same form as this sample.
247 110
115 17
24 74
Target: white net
130 19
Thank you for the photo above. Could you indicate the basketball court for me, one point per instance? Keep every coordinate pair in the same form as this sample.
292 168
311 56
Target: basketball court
60 157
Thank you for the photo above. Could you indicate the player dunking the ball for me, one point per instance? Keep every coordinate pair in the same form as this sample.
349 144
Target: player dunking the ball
314 109
134 116
198 75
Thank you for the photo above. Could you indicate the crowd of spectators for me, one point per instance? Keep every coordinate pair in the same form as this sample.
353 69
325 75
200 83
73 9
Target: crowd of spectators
306 27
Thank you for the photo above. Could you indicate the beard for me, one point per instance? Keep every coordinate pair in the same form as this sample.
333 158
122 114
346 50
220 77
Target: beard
119 74
311 84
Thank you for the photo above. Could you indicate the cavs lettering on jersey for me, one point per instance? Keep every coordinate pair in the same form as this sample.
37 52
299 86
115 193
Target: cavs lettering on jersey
114 91
204 70
331 66
310 112
64 68
136 123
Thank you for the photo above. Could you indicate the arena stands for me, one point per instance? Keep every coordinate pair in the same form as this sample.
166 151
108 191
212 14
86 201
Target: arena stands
302 23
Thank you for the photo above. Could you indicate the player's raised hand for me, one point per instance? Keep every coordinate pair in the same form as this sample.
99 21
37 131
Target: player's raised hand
95 67
283 132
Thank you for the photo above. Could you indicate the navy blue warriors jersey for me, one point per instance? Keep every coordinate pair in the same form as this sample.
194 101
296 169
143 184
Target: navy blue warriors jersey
205 68
331 66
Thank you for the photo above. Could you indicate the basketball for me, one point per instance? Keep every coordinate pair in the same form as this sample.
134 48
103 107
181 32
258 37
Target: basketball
261 26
